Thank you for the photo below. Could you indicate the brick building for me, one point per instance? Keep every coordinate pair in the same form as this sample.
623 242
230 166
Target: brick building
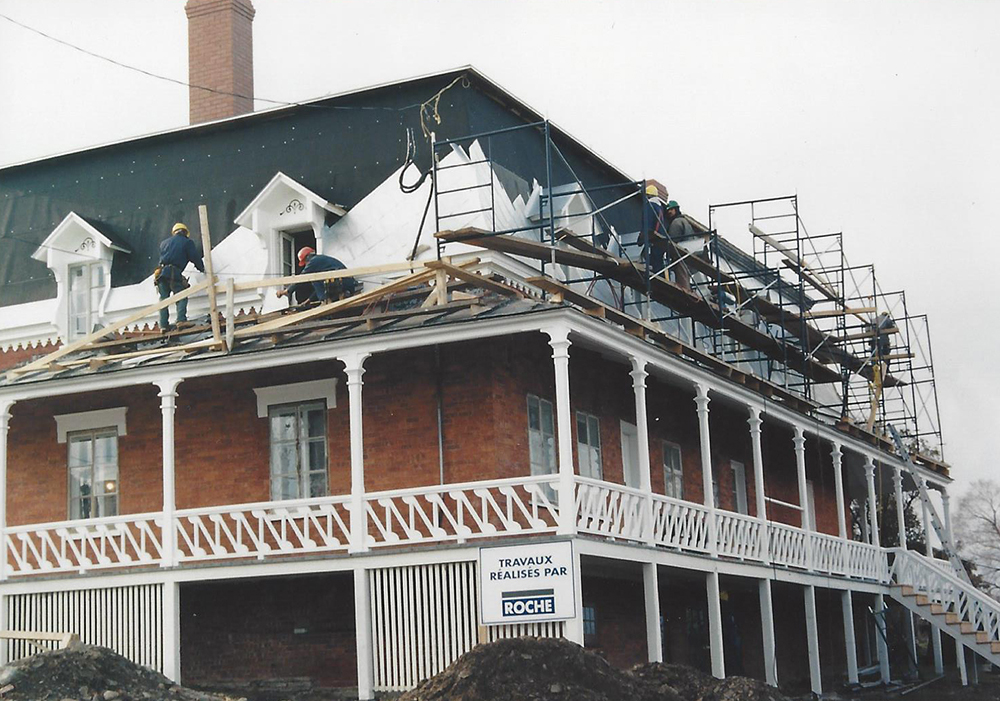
302 493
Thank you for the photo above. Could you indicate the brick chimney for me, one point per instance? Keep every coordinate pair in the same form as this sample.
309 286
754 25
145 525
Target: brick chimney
220 56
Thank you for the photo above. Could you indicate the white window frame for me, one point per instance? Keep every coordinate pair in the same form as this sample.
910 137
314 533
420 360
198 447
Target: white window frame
91 420
740 502
586 451
547 438
296 393
304 470
94 292
92 434
673 478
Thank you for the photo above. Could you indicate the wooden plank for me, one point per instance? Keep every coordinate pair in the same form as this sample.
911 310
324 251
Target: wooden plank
206 254
230 314
13 373
329 275
160 350
330 307
474 278
827 313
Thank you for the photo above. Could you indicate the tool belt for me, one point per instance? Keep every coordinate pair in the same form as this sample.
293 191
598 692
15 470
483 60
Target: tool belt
169 273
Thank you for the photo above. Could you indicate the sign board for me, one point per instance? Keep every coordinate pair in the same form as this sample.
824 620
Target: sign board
526 583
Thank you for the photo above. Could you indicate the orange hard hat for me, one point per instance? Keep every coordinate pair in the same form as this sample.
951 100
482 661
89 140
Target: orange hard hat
304 253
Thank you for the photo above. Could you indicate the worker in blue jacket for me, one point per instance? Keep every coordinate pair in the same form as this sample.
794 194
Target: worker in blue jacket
321 290
175 254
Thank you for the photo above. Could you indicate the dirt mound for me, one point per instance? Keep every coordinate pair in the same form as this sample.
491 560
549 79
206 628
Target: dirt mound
89 674
689 683
742 689
530 669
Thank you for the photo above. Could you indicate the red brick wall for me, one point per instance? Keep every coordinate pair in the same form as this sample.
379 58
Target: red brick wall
620 617
245 630
220 56
222 454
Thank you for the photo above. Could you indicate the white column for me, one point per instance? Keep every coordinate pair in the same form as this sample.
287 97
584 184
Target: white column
715 626
800 467
639 376
880 633
946 509
963 670
573 627
701 402
812 641
838 482
559 340
363 634
651 590
758 481
897 482
5 406
872 503
850 641
354 367
172 631
929 551
168 407
767 631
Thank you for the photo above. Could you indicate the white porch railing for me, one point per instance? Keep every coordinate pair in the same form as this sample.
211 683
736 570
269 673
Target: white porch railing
259 530
80 546
440 513
459 512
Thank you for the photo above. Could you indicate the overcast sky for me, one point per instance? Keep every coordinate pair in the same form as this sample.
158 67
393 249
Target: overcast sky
881 116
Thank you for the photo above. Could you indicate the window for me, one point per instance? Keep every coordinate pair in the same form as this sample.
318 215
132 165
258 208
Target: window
673 471
93 474
541 436
589 625
588 445
287 255
298 450
739 486
86 285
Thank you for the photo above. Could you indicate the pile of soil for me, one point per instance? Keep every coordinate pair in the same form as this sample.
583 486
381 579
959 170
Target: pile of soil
89 674
532 669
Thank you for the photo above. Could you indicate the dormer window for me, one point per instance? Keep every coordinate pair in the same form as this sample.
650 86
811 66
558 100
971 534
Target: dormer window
80 257
286 216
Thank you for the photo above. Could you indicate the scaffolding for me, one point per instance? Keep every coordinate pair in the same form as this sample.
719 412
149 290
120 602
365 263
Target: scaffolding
792 313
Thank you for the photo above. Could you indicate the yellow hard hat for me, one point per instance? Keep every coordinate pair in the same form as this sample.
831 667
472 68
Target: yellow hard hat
652 191
180 227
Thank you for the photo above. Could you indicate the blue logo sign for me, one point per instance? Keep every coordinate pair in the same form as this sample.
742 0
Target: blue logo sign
534 602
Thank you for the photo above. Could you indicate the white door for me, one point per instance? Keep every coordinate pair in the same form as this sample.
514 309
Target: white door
739 486
630 454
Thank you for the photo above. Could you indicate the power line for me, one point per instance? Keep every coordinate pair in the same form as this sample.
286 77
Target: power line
175 81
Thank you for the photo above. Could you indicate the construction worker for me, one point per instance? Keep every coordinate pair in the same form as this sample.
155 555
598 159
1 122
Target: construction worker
175 254
656 227
320 290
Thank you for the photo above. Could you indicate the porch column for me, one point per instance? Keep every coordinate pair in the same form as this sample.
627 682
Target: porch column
354 367
850 641
363 634
559 340
929 551
872 503
715 626
5 405
168 406
800 466
897 482
701 401
812 641
639 376
573 627
758 482
880 633
838 483
651 590
172 631
946 510
767 630
963 670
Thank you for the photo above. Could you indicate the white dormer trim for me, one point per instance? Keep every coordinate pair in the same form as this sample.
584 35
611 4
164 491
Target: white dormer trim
88 420
74 242
296 392
285 205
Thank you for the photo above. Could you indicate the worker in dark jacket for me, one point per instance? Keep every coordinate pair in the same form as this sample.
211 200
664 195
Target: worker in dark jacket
175 254
321 290
678 229
656 226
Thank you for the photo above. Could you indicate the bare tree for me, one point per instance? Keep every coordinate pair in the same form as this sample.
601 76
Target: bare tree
977 530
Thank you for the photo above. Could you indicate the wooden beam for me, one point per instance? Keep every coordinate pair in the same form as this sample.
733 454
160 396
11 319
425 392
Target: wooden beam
206 254
159 350
827 313
13 373
329 275
472 278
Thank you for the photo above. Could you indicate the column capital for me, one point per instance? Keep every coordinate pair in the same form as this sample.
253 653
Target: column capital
354 365
800 435
754 419
559 340
897 476
869 466
5 405
168 388
701 397
639 372
836 452
945 498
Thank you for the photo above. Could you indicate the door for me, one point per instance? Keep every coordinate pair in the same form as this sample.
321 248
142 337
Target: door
630 455
739 486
